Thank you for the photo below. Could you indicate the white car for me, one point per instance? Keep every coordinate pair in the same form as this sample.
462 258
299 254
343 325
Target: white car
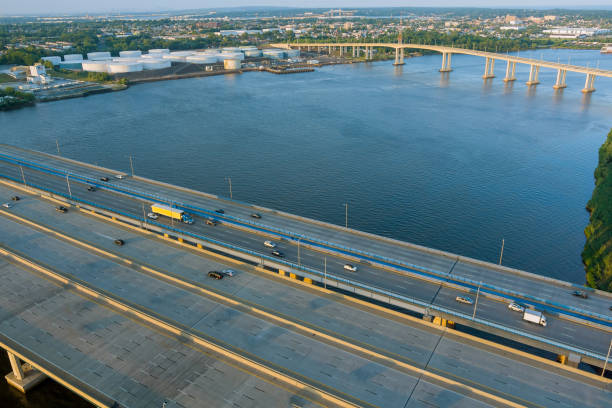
464 299
270 244
516 307
120 176
7 205
228 272
152 216
350 267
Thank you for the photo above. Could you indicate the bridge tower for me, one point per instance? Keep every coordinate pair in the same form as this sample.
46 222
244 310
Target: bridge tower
446 62
399 52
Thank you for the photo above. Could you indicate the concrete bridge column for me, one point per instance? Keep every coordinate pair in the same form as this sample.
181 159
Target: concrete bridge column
354 52
329 50
510 71
534 73
23 377
489 68
446 62
589 84
560 83
341 51
399 57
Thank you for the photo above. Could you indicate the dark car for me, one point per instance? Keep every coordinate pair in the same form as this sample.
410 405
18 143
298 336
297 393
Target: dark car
215 275
256 215
277 253
61 208
91 188
104 178
580 293
220 211
119 242
15 198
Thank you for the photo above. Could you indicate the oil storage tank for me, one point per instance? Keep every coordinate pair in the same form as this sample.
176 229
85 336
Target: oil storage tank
201 59
293 53
95 66
252 53
159 51
73 57
232 63
130 54
123 67
97 56
231 55
274 53
53 59
150 64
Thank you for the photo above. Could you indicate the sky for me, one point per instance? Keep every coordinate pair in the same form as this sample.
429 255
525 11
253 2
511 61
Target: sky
8 7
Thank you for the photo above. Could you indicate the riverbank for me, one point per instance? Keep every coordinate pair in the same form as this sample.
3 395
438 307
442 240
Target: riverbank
597 254
14 99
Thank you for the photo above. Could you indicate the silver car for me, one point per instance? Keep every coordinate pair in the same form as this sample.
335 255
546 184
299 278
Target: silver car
464 299
228 272
516 307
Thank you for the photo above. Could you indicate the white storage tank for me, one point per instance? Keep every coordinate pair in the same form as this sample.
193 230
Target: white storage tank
201 59
53 59
233 55
230 50
97 56
254 53
274 53
71 64
293 53
95 66
123 67
73 57
247 47
130 54
150 64
158 51
123 59
232 63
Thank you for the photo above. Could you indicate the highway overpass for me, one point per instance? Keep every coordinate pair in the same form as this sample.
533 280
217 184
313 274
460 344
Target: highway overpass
141 324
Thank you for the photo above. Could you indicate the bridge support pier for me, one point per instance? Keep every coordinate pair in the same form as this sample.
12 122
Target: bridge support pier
589 84
354 52
560 82
446 62
534 73
510 71
399 56
489 68
23 377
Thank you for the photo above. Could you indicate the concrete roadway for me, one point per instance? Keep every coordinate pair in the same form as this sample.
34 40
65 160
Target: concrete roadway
561 330
491 274
532 382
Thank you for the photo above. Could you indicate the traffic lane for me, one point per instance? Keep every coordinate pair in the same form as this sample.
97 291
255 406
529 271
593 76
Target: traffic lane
557 329
460 359
518 284
395 283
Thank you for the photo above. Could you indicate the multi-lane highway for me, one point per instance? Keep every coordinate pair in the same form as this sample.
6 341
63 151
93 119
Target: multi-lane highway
420 283
348 351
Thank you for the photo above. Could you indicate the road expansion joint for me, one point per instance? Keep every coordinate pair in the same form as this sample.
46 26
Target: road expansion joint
177 329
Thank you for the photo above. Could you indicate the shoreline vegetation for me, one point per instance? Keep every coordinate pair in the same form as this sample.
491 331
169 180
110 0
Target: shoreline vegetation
597 253
13 99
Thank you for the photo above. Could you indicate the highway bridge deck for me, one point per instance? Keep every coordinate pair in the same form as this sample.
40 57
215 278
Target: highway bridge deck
384 371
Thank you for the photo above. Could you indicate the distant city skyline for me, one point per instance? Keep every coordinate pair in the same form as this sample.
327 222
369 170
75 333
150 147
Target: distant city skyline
34 7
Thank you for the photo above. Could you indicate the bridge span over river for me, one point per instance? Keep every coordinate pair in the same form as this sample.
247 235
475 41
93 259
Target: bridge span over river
357 49
140 323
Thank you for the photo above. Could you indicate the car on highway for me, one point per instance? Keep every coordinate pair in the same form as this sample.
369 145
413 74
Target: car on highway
228 272
61 208
152 216
91 188
256 215
120 176
215 275
15 198
269 244
580 293
277 253
7 205
119 242
517 307
104 178
464 299
350 267
211 221
219 211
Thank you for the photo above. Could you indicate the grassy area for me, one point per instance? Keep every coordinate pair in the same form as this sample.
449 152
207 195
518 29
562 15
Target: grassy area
4 78
13 99
79 75
597 254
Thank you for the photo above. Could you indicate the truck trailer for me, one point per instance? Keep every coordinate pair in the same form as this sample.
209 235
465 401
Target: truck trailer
534 316
172 212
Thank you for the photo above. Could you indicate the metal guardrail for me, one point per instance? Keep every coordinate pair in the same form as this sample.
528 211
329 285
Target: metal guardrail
377 293
390 262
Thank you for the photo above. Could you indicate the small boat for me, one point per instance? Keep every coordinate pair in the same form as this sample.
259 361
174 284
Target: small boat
606 50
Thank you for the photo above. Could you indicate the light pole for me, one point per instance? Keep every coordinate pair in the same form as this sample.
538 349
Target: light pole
476 303
132 165
68 183
501 254
229 181
325 277
144 215
299 251
22 175
346 215
57 145
606 362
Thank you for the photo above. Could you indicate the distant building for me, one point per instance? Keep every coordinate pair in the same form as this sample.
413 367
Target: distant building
575 32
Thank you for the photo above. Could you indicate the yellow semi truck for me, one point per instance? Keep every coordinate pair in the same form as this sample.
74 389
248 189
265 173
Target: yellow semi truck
172 212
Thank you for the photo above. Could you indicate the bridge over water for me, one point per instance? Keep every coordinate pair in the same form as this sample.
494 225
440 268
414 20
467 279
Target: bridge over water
357 49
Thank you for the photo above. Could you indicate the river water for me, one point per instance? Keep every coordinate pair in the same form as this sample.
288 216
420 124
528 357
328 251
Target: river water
447 161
